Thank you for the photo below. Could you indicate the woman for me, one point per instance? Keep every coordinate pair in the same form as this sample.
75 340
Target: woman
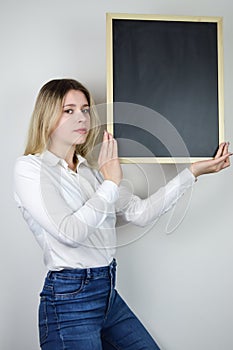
71 209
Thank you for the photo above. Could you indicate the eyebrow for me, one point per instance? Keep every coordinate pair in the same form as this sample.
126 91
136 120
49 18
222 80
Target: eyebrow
74 105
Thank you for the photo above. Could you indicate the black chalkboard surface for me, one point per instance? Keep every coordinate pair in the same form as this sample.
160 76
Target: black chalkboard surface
165 86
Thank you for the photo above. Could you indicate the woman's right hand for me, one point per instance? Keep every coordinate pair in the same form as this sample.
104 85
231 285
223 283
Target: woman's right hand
108 160
218 163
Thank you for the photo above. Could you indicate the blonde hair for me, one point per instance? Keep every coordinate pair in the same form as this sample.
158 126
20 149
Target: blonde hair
47 111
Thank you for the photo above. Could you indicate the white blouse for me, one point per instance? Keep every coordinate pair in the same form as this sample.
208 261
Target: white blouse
73 214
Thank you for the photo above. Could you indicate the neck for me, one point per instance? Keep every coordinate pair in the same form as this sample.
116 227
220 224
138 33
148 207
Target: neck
67 154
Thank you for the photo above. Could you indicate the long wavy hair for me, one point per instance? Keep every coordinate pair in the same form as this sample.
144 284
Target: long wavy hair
48 110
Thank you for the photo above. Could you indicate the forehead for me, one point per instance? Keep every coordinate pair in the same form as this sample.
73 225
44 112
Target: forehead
75 97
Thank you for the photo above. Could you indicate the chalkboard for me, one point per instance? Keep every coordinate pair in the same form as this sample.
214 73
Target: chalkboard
165 86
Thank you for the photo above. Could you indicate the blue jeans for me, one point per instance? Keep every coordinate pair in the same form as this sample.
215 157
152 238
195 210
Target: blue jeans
81 310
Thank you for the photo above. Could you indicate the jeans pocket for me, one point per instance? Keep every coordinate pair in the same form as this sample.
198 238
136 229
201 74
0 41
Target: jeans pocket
43 324
68 288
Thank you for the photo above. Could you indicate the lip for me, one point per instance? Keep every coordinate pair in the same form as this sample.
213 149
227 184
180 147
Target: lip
82 131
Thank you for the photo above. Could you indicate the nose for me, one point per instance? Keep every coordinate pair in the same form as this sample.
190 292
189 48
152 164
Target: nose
81 117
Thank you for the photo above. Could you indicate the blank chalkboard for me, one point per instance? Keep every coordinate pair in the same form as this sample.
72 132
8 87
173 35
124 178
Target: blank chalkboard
165 86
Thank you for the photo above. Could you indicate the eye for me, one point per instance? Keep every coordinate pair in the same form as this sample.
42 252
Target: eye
85 110
69 111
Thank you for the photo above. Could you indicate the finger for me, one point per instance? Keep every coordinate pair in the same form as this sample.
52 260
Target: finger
104 143
106 151
105 136
223 157
225 149
220 150
104 148
223 161
110 146
115 149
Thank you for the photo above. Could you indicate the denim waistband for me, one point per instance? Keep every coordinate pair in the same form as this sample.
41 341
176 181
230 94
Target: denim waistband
91 272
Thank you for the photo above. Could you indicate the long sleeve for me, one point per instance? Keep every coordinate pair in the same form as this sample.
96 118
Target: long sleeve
40 193
142 212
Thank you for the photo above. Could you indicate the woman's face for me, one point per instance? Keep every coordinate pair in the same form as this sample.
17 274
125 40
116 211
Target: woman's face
74 124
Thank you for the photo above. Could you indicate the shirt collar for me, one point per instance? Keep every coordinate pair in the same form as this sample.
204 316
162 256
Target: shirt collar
52 160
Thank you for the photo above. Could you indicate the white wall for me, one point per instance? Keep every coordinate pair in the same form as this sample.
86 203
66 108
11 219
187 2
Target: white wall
180 284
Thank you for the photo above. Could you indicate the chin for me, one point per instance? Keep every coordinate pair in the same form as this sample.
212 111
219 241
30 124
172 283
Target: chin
80 140
81 143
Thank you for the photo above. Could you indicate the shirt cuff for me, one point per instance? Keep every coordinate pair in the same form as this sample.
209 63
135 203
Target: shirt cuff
193 177
109 191
186 177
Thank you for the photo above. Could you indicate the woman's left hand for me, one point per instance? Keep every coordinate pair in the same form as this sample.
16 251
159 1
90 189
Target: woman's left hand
219 162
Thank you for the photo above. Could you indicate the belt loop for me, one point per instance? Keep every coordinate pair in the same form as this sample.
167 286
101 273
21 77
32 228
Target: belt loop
88 275
112 266
49 274
114 263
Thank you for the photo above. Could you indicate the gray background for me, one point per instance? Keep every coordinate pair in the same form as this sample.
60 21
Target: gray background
179 284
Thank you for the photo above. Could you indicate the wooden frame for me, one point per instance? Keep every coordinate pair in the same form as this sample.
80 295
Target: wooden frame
148 55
